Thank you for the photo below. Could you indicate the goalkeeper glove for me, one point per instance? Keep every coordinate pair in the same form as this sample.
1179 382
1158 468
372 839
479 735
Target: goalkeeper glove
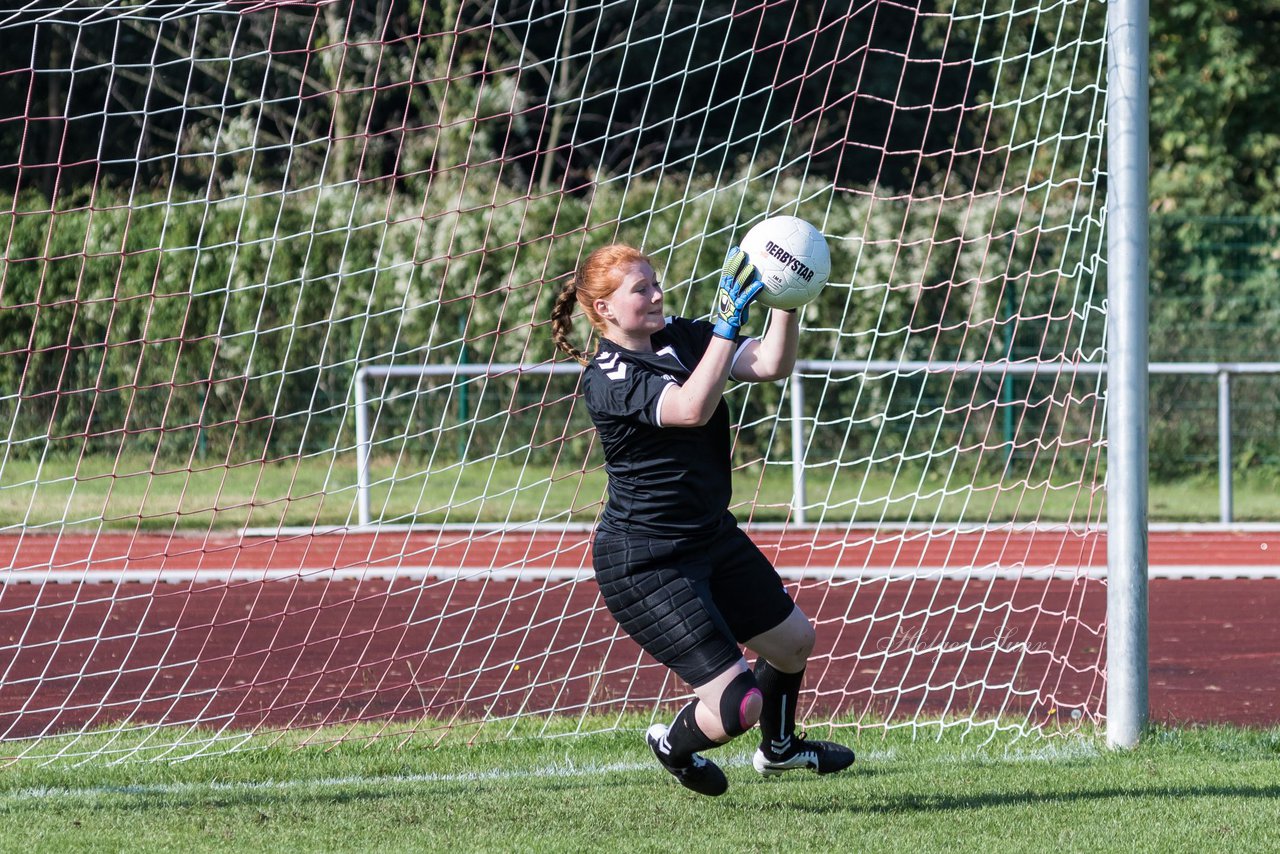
739 285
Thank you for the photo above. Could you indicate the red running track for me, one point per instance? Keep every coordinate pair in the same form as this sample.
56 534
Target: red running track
231 650
102 554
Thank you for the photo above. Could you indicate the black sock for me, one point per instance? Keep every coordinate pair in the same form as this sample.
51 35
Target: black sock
685 738
778 717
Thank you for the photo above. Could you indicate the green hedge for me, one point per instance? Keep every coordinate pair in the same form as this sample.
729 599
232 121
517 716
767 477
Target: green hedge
231 328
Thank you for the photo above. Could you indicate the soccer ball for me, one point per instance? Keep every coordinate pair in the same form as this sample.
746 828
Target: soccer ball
792 258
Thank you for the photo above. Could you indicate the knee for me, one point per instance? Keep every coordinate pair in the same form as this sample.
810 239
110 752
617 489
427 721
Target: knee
808 637
740 704
794 654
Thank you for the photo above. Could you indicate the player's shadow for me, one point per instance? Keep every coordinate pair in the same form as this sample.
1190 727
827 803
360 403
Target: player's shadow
930 803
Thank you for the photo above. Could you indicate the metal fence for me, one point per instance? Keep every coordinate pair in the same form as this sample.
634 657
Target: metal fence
809 368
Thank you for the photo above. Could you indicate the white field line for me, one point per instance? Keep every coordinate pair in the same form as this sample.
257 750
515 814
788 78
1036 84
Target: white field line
1073 751
41 575
556 770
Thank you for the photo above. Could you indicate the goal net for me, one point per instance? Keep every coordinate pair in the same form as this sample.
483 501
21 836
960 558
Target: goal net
287 448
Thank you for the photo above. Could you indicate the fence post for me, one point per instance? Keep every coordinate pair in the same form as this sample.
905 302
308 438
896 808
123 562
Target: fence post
1224 446
362 449
1127 358
797 447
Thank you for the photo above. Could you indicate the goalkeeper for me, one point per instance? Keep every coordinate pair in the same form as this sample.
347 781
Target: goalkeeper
673 566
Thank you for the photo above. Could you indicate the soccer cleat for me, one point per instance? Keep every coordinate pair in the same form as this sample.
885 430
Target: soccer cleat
700 775
825 757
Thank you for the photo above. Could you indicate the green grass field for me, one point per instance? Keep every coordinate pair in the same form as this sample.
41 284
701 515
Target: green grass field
1211 789
134 492
342 790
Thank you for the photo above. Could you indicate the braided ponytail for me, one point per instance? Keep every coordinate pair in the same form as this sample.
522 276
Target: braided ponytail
562 320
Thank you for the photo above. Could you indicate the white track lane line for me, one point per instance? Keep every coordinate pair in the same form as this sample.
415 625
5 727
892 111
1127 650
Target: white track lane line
42 575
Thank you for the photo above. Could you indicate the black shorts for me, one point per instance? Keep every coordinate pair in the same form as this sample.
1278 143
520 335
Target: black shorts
690 602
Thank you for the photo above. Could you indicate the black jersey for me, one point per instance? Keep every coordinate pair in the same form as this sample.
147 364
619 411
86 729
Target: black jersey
663 481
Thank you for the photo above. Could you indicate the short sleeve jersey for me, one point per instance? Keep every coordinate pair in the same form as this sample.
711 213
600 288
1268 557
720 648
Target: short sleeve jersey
663 481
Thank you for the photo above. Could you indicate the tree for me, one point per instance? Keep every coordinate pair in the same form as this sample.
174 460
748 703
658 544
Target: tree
1215 108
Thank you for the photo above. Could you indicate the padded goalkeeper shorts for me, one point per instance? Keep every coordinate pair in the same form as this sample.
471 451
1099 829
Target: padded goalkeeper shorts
690 602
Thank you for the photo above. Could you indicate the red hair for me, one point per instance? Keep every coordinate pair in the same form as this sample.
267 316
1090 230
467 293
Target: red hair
596 278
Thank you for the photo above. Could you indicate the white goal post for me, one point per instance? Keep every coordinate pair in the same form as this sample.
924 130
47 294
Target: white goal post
1128 240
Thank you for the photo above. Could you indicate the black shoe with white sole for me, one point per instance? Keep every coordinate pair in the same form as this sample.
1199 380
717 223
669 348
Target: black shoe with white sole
700 775
824 757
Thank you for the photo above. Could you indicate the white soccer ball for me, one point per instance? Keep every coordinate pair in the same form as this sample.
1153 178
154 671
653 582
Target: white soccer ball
792 258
